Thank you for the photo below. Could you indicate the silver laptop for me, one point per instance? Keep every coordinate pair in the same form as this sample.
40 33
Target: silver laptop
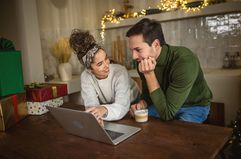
85 125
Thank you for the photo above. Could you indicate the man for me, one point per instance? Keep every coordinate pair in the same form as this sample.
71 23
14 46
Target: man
172 80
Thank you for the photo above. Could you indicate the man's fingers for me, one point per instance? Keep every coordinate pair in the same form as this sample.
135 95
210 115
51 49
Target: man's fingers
132 109
138 106
150 64
147 65
153 60
131 112
135 107
141 66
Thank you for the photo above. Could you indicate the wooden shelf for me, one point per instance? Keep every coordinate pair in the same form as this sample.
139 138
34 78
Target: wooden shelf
221 8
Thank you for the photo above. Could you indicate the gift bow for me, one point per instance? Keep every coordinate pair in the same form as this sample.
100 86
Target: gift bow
36 85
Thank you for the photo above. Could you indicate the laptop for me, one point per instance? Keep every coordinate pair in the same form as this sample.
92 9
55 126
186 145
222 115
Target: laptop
85 125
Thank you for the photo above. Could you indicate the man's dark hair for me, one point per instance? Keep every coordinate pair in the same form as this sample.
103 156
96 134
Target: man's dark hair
150 29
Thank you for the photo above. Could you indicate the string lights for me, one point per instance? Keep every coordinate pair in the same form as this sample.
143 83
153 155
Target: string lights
193 6
163 5
168 5
109 17
187 5
112 17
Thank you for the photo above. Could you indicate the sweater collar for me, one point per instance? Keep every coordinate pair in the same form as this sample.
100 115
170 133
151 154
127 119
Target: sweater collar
161 59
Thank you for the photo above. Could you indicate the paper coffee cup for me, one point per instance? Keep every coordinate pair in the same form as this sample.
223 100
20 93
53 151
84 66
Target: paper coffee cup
141 115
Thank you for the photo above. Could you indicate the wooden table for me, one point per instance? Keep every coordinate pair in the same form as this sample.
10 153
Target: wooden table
41 137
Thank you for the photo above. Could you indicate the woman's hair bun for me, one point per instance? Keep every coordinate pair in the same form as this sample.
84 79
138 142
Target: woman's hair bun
81 41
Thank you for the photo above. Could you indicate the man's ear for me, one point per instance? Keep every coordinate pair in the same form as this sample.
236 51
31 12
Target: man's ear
156 44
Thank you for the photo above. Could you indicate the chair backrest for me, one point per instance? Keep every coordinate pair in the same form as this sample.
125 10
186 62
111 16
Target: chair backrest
216 114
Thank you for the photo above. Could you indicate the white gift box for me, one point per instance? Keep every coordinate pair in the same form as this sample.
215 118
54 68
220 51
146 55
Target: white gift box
39 108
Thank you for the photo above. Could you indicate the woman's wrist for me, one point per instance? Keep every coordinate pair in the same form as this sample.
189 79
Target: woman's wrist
105 110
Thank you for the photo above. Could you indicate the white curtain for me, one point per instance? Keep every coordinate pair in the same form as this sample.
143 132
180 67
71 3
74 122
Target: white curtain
56 19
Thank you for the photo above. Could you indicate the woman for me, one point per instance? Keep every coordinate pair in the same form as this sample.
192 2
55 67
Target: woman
106 89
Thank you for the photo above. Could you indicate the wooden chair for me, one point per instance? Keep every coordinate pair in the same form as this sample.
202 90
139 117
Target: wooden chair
216 114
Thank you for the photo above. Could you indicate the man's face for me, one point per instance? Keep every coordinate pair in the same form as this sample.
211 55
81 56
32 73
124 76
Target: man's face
140 49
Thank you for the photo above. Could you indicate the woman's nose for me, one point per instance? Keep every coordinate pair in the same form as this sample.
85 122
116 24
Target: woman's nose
107 63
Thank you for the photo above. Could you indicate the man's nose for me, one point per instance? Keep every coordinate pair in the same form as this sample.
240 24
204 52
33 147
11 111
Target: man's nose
134 55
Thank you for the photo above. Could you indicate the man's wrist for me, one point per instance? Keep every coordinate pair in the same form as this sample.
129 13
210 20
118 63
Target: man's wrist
151 81
149 75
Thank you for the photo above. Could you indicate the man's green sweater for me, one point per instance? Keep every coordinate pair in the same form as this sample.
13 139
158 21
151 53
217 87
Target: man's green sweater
182 83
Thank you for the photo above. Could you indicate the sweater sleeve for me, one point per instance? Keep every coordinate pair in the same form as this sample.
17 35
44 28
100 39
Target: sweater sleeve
119 108
145 92
183 75
88 93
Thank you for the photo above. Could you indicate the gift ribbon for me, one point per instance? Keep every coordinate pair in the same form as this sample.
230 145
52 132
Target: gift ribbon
36 85
15 107
54 90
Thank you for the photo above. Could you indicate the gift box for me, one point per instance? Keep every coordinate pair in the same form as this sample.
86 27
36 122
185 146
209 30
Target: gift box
11 74
39 108
45 92
12 109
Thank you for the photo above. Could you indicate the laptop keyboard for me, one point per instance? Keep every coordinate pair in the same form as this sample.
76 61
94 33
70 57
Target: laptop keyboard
113 134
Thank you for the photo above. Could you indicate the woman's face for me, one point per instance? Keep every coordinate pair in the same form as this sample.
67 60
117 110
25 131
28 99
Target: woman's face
100 65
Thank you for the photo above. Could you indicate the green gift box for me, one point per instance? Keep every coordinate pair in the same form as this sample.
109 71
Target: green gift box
11 73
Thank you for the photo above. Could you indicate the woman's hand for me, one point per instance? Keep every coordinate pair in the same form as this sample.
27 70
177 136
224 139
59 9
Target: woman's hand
98 112
140 105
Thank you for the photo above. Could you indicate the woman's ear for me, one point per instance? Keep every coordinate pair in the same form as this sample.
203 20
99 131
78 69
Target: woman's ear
89 70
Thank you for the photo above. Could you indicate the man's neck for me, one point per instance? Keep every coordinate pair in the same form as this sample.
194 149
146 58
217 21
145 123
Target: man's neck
158 52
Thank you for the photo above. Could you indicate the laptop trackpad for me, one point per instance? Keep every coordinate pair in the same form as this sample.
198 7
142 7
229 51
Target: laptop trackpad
113 134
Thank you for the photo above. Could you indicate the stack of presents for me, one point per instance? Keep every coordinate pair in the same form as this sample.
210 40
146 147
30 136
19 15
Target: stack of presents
18 101
41 95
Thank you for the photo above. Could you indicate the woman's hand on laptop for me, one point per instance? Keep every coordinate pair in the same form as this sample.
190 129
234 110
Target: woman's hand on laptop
99 112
